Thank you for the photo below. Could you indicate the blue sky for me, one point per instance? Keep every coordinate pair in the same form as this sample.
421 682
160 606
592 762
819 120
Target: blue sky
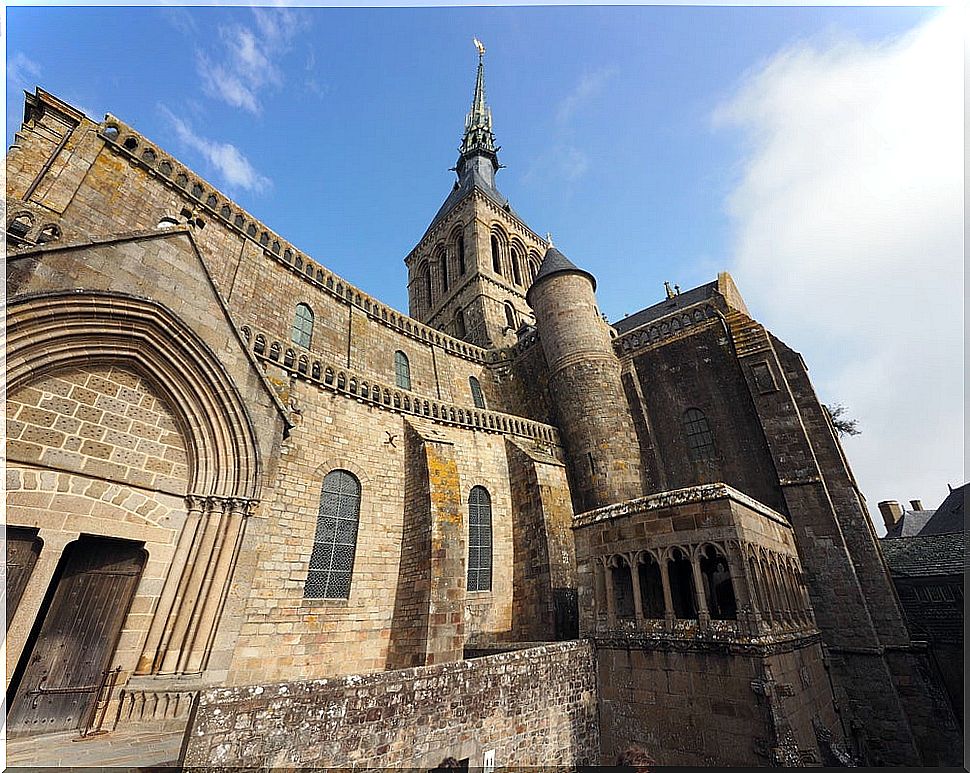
636 135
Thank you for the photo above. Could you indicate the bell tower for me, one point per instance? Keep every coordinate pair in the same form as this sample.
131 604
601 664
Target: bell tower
469 273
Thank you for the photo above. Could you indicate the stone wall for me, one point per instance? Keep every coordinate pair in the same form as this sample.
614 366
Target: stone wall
532 707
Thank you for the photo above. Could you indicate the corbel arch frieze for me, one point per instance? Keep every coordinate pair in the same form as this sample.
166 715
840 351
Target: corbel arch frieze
53 331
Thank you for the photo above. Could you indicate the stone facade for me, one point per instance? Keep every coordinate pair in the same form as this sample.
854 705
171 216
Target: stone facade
184 384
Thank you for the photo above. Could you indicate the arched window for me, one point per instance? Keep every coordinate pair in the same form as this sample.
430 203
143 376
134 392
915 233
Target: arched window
479 540
460 330
510 317
623 600
516 269
700 439
718 588
681 576
477 397
335 541
460 251
496 256
443 268
424 283
302 326
651 588
402 370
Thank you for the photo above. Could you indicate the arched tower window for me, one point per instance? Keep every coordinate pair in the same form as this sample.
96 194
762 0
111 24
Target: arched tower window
335 541
516 268
479 540
402 370
510 316
681 576
700 439
424 274
623 599
460 252
651 588
477 397
443 268
460 329
302 326
496 256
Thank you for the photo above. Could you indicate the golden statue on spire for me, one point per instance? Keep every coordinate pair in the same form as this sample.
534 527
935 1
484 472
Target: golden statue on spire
479 45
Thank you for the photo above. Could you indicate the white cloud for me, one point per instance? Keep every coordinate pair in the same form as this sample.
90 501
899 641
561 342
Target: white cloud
245 62
564 160
848 224
22 71
234 168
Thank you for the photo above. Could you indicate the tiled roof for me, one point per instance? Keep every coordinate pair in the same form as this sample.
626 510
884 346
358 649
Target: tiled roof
925 556
910 523
948 517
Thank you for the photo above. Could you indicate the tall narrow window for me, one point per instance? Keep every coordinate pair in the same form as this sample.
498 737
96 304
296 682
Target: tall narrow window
302 326
443 268
460 248
460 330
700 439
516 269
510 316
477 396
496 257
479 540
335 541
402 370
424 274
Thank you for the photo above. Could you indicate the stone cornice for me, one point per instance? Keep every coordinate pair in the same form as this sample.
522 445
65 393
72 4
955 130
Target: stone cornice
709 492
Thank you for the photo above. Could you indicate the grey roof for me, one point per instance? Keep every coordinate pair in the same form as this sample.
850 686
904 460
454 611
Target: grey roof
948 517
925 556
910 523
665 307
464 188
554 262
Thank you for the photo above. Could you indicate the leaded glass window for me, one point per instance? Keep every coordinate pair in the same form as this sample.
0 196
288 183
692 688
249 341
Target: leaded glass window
302 326
479 540
335 541
402 370
700 439
477 396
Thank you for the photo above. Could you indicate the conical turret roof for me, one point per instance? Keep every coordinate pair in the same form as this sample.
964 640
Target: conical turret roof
554 263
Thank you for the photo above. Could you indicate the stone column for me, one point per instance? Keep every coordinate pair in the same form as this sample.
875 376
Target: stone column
174 588
635 581
669 615
700 598
610 597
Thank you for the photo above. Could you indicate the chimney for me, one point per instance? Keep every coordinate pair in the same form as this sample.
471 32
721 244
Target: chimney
891 513
916 504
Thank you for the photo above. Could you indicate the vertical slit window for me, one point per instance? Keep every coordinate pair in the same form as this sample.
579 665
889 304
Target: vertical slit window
516 269
460 245
479 540
460 330
496 258
510 316
302 326
477 397
335 540
700 439
402 370
443 267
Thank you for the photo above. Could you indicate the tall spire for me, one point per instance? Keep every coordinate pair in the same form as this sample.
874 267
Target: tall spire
478 140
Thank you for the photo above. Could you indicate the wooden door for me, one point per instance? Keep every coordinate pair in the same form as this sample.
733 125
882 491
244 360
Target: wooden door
58 679
23 547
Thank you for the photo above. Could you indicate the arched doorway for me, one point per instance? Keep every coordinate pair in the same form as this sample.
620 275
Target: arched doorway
57 680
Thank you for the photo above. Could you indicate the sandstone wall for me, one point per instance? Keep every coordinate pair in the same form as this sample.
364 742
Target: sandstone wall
534 707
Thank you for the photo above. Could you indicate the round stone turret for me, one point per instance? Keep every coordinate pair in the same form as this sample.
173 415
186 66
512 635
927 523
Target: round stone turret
584 380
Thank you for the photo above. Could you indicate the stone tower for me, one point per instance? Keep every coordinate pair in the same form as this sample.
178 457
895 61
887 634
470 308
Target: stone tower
584 379
469 273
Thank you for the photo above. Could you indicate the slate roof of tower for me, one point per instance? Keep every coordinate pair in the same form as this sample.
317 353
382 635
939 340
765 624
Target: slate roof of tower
665 307
554 262
925 556
465 187
910 524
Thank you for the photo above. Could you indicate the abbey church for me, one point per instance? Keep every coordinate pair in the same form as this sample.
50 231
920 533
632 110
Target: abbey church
249 502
